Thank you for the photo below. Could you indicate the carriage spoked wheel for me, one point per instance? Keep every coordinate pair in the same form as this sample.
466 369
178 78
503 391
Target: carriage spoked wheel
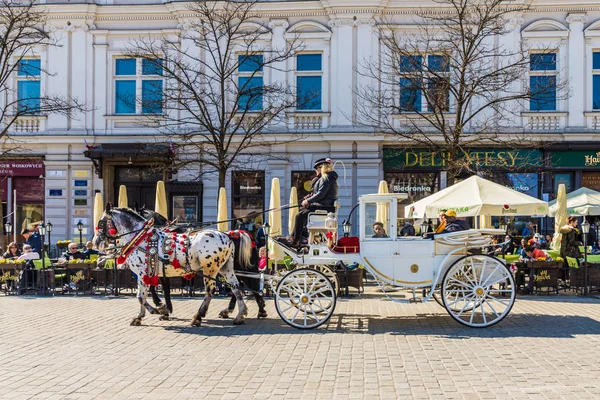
330 274
478 291
305 298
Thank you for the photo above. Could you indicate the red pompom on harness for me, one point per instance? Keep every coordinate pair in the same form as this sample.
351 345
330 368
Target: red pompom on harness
150 280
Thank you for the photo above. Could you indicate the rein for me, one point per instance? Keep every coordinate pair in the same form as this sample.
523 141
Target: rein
127 249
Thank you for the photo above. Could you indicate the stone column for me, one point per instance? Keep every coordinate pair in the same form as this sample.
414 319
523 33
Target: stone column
342 54
277 72
576 70
58 82
101 93
509 43
80 70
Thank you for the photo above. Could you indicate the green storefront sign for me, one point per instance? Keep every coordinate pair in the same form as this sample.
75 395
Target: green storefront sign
576 159
426 159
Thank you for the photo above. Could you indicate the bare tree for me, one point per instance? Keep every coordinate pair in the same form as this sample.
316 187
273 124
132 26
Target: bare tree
448 83
22 35
213 100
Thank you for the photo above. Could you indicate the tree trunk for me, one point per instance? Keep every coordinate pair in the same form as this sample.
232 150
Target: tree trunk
222 177
2 223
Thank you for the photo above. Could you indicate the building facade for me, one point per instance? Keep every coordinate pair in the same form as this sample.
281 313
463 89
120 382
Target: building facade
71 157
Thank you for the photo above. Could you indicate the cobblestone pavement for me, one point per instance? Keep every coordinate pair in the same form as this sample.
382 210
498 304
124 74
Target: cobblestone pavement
69 347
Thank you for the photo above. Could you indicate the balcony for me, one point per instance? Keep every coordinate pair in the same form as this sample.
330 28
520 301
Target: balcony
308 120
544 120
592 120
29 123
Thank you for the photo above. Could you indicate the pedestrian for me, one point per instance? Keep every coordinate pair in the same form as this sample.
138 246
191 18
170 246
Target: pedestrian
262 262
33 239
408 229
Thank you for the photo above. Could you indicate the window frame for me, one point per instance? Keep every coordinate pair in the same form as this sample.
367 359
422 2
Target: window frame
310 73
596 77
253 74
139 78
544 73
28 78
426 73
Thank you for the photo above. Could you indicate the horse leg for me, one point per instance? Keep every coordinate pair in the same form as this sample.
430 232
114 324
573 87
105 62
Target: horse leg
209 284
141 296
262 313
161 308
225 312
166 282
229 275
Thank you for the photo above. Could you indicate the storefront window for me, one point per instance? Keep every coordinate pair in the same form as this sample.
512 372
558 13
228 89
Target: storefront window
248 200
591 180
302 180
416 185
30 201
185 208
564 179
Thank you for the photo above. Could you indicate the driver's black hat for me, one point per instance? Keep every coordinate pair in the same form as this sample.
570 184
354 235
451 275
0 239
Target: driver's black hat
321 161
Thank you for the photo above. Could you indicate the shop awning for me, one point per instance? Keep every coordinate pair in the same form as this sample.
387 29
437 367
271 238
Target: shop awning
97 153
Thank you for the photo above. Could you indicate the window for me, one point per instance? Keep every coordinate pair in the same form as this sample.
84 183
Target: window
302 181
309 76
28 86
596 80
437 83
248 198
138 79
250 82
542 81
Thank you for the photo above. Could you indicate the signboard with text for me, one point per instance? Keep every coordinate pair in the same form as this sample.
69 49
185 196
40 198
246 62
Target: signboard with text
576 159
21 168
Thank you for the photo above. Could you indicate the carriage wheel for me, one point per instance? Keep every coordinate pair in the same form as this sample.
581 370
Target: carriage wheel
330 274
478 291
305 298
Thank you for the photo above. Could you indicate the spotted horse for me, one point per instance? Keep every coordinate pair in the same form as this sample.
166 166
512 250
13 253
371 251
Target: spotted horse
147 250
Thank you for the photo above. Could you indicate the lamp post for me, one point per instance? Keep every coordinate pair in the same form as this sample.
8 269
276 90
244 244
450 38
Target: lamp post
585 229
8 229
80 228
267 230
424 227
503 225
347 226
42 231
49 230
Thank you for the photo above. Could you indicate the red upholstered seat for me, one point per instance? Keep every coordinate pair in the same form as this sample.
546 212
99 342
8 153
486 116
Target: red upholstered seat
347 244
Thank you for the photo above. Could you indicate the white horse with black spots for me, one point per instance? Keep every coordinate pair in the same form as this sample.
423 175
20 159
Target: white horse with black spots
208 251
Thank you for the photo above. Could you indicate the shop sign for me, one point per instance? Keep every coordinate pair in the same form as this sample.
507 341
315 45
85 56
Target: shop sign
410 188
422 158
21 168
576 159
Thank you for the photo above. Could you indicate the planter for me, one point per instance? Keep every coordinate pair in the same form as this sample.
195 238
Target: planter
577 276
546 274
352 278
12 266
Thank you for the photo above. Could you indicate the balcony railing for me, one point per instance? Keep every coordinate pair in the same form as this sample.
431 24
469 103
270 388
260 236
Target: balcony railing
544 120
308 120
30 123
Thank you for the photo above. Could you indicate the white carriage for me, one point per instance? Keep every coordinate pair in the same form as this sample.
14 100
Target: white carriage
477 290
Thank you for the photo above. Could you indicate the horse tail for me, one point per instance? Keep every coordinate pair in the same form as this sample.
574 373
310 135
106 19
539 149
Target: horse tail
245 250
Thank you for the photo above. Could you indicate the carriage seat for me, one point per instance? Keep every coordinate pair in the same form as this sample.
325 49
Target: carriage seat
316 219
449 242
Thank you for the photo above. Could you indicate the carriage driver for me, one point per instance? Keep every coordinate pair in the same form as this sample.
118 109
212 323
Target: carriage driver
453 224
325 193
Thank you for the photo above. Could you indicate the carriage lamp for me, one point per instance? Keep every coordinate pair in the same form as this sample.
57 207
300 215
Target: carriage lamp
503 225
347 226
8 227
585 229
42 229
267 228
80 228
424 227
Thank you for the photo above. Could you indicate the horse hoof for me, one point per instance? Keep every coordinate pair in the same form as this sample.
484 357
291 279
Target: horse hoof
136 322
224 314
196 322
163 318
262 314
239 322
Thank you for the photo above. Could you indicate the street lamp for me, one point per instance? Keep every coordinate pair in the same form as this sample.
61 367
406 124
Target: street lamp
585 229
80 228
347 227
42 231
503 225
8 228
49 229
267 230
424 227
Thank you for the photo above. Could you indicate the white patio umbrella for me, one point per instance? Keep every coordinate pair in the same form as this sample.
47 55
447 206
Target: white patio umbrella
382 214
275 218
222 211
583 201
160 204
477 196
560 215
293 210
98 208
123 201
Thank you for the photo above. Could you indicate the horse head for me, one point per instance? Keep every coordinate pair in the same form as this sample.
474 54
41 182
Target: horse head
116 224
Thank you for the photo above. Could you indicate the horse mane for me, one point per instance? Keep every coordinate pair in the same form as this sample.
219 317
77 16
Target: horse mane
147 214
128 212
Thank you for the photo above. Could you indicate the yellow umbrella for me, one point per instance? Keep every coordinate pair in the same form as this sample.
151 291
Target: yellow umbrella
485 221
160 204
382 214
222 211
560 218
123 197
98 208
275 218
293 209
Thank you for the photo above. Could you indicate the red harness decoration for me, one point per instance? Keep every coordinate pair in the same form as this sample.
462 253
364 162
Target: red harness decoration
131 246
150 280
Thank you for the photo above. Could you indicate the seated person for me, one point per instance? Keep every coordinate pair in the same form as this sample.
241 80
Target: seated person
596 247
12 253
378 230
408 229
28 254
72 253
29 276
453 224
538 241
89 250
532 253
506 248
325 193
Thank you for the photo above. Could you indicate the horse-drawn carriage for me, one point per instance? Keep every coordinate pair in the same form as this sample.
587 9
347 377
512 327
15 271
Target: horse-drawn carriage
477 290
